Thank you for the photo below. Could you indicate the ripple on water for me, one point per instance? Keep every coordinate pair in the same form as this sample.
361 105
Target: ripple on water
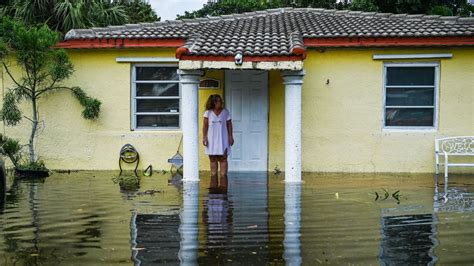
84 218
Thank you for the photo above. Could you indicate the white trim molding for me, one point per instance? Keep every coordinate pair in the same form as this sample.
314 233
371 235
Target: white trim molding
280 65
411 56
146 60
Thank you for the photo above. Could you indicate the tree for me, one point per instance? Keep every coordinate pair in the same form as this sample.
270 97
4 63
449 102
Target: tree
405 6
43 68
63 15
457 7
138 11
223 7
364 5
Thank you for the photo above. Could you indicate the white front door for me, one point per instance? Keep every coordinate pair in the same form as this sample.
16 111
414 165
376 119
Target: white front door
246 97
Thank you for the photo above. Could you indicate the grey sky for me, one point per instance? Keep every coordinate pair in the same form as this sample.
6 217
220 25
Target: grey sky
168 9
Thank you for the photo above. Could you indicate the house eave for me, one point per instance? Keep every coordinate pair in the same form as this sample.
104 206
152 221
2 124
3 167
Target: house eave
389 41
262 65
101 43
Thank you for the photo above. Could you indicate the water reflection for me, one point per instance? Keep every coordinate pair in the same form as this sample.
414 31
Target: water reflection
83 219
155 238
217 218
453 199
235 217
292 242
188 228
408 240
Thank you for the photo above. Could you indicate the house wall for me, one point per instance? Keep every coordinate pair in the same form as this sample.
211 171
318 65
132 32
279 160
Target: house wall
342 121
67 141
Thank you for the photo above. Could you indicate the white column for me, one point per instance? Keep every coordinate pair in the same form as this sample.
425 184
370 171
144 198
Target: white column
189 80
188 229
293 81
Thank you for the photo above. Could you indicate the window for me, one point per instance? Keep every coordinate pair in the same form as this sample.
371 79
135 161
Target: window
411 95
155 97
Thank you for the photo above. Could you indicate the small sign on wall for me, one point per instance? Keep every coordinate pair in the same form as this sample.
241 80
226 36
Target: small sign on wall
210 83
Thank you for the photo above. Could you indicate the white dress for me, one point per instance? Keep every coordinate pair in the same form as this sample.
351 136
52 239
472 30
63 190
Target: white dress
217 134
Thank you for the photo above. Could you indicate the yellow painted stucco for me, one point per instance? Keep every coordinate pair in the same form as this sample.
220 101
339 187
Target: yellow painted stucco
341 121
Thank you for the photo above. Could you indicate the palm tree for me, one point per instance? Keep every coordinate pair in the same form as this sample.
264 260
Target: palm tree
63 15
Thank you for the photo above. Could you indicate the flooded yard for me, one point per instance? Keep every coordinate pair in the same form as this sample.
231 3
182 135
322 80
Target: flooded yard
83 218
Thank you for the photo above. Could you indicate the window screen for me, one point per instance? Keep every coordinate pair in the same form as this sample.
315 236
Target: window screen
156 97
410 96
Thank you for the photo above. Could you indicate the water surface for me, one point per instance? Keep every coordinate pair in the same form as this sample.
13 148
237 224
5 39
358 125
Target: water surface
83 218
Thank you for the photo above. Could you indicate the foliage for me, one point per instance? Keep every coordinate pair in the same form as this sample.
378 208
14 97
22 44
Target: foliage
43 68
230 6
441 10
127 182
10 148
63 15
223 7
32 166
364 5
138 11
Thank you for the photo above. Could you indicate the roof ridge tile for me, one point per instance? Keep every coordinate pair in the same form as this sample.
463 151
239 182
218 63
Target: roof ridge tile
467 20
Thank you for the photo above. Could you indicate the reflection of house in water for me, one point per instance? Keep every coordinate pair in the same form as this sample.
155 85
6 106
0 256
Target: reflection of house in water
408 240
237 222
453 199
155 239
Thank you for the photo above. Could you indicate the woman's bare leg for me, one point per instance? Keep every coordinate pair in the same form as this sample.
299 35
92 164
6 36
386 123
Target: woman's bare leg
223 164
214 166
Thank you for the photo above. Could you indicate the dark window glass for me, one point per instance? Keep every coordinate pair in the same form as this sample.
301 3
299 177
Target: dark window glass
158 105
209 83
157 89
409 117
157 73
410 97
406 76
157 120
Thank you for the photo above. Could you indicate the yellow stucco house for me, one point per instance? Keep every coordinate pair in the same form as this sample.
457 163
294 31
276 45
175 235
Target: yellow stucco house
308 90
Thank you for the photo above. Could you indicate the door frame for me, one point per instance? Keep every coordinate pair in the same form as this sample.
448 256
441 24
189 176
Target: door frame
267 120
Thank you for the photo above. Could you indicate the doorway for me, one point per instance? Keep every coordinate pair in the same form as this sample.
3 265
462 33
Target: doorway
246 97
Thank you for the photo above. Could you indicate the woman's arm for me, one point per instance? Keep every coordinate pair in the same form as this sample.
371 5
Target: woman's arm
229 130
205 127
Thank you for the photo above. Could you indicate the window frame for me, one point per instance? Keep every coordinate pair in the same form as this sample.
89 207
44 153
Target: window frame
134 98
436 66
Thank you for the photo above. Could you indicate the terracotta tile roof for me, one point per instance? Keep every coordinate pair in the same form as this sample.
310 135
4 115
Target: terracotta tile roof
281 31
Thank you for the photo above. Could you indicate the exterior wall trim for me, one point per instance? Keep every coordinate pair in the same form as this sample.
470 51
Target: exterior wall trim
121 59
389 41
119 43
410 56
280 65
245 58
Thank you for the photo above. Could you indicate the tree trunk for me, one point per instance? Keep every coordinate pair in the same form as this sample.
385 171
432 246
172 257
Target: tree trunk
33 130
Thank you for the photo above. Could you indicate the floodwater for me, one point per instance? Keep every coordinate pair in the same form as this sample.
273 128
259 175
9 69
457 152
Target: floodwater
83 218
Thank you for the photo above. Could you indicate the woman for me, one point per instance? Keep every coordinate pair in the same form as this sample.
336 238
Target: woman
217 136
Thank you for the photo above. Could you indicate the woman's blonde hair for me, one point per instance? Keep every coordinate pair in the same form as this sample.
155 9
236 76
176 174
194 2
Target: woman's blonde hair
211 101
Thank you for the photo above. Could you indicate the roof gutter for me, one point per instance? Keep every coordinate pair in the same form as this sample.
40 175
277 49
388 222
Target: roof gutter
119 43
389 41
